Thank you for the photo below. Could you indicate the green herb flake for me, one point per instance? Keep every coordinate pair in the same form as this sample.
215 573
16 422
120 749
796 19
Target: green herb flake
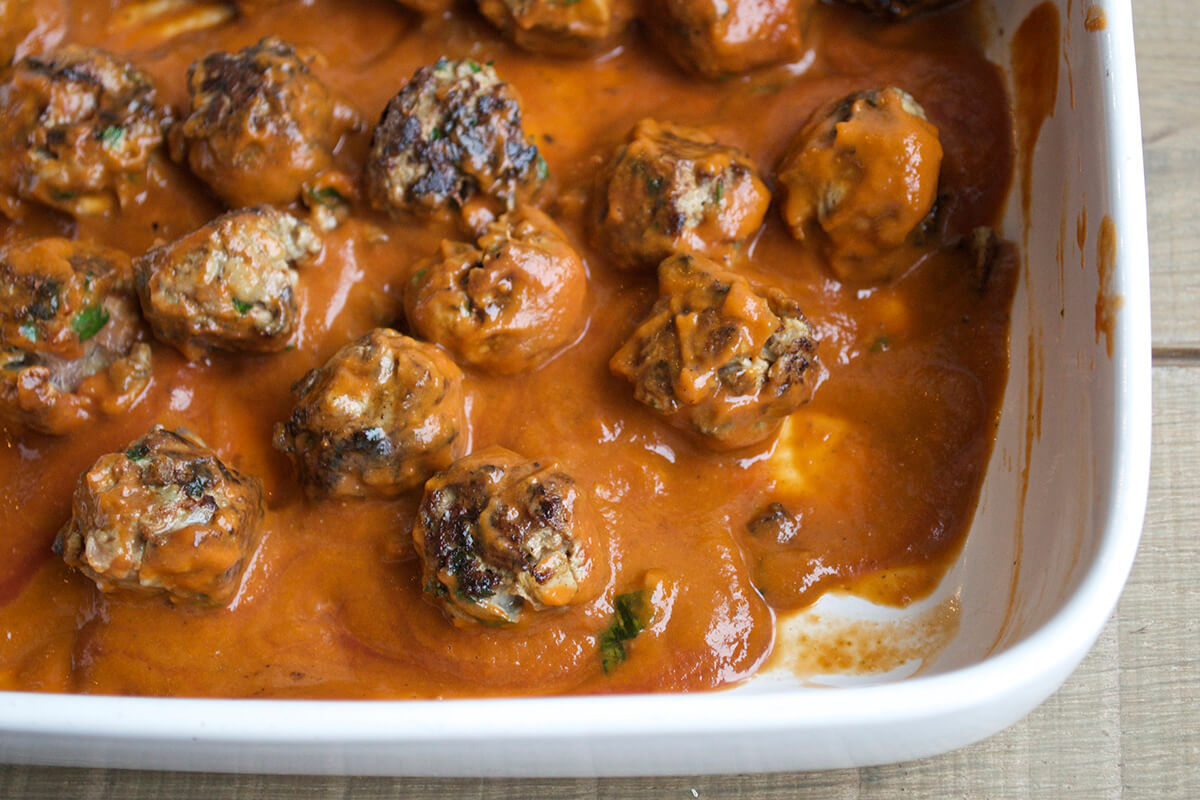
543 169
475 68
630 615
29 331
327 196
61 195
719 191
417 276
436 133
112 135
881 344
137 452
242 308
89 322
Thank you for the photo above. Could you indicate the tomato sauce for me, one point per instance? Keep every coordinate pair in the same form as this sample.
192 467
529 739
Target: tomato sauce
882 468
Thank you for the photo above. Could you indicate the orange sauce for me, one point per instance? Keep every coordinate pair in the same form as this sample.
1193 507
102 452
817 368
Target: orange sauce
883 467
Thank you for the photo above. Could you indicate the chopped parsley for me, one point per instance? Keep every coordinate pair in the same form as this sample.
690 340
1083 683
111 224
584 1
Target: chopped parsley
137 452
543 169
719 191
881 344
630 615
436 134
326 196
242 308
417 276
29 331
89 322
112 135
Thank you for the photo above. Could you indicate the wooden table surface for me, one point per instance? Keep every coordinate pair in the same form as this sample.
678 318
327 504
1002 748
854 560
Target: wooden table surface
1127 723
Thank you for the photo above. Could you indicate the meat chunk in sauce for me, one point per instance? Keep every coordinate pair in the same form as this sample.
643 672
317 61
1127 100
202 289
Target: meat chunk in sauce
720 37
78 128
579 28
69 335
262 127
672 189
506 303
382 415
451 141
497 534
229 285
900 9
165 516
717 357
861 177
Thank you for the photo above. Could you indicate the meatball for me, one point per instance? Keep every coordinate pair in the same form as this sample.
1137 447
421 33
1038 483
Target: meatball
262 127
497 534
718 358
672 189
69 335
900 9
506 303
77 131
862 175
718 37
579 28
229 285
382 415
164 517
452 140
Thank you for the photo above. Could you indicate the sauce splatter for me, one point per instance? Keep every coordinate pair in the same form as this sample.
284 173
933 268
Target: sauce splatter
1095 20
1034 53
1108 303
1081 236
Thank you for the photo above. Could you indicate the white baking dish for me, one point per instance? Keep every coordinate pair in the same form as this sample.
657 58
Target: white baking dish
1070 540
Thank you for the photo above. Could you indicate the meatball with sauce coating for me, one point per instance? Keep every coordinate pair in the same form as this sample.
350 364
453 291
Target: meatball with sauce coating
78 128
379 418
862 176
497 534
229 285
165 516
453 140
506 303
577 29
672 189
262 127
720 37
69 335
718 358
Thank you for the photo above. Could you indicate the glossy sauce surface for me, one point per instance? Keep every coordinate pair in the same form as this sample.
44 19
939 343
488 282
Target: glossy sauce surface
881 469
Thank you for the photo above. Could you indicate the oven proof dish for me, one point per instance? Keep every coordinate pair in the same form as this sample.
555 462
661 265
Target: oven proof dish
845 737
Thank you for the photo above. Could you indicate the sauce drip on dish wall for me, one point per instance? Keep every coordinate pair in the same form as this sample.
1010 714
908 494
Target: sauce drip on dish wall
881 469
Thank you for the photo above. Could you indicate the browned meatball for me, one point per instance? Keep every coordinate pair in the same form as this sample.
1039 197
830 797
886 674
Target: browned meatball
718 358
77 131
229 285
862 175
69 335
720 37
164 517
497 534
578 28
507 303
900 9
453 140
262 127
672 189
378 419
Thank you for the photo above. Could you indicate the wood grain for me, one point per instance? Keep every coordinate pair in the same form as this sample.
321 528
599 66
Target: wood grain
1169 79
1126 724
